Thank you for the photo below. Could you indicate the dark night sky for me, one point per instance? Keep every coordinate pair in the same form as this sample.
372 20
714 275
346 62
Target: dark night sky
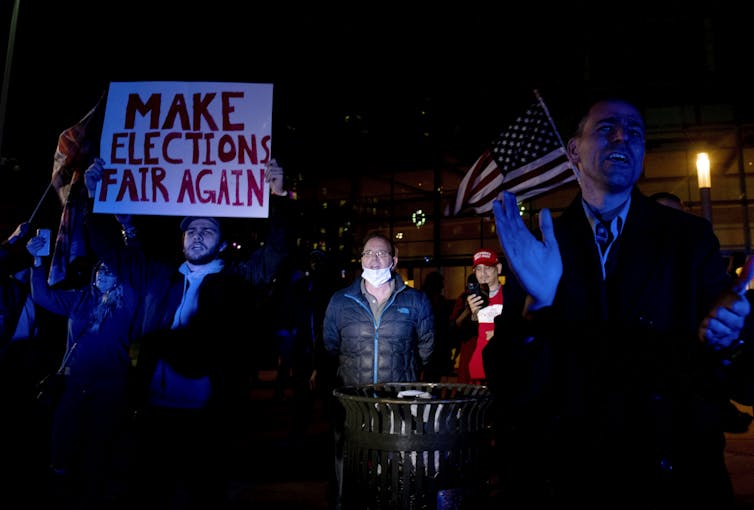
469 68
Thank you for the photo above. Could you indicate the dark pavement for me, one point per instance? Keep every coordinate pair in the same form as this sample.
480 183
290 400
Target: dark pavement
277 471
277 468
272 467
740 460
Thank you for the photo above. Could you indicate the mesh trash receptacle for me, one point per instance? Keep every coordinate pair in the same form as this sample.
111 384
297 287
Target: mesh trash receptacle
415 446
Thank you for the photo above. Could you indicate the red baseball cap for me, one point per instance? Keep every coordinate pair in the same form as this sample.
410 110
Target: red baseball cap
486 257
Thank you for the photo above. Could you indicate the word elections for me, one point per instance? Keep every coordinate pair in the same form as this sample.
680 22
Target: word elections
184 130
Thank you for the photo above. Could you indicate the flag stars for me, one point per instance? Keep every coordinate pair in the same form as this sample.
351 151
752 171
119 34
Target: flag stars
526 159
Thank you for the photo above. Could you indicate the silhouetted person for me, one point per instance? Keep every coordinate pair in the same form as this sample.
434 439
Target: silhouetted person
441 362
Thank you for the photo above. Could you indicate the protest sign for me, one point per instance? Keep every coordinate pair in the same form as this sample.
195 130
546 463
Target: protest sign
186 149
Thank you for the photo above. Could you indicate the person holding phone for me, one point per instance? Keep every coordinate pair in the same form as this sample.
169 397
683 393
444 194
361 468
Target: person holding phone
485 303
90 411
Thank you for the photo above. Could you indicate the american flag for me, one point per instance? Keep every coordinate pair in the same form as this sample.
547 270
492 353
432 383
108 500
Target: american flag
528 159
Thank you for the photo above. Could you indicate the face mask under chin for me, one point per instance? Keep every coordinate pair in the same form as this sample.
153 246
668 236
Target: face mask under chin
377 277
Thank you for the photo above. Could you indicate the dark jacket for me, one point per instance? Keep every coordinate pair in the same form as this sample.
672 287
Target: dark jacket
220 340
13 292
609 390
391 348
98 356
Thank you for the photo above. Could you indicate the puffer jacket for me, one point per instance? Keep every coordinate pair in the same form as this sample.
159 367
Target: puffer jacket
391 348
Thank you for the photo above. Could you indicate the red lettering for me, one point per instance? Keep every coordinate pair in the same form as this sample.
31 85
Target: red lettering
247 149
168 139
230 183
227 109
194 139
148 153
208 149
158 175
105 182
152 106
155 175
127 185
132 159
237 178
222 194
114 147
143 172
226 149
201 109
177 109
254 188
267 151
149 147
209 196
187 188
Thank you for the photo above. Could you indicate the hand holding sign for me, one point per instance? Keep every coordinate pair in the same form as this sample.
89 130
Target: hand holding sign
93 175
273 174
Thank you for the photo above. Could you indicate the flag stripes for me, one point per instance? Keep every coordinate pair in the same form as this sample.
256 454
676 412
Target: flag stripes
528 159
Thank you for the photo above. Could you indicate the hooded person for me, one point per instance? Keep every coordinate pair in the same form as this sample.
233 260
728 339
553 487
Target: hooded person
196 343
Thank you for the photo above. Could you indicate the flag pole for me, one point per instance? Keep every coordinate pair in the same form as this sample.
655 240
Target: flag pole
8 65
549 117
554 128
44 195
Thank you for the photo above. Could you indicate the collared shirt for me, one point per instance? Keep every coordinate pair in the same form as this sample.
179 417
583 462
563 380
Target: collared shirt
374 303
616 226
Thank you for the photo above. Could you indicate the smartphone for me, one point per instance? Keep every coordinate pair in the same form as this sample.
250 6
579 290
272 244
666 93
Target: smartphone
478 289
44 232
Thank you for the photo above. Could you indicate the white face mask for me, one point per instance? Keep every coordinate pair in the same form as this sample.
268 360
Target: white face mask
377 276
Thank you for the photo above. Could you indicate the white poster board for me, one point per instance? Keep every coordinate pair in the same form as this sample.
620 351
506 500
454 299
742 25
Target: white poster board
186 149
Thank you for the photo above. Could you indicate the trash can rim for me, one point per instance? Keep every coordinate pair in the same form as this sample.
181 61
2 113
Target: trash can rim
483 394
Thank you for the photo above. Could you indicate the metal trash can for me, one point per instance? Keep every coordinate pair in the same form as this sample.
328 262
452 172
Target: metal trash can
415 446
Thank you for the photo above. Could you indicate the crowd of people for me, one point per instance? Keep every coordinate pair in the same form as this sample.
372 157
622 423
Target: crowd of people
613 349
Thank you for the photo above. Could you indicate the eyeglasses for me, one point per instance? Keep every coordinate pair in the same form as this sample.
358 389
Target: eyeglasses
380 254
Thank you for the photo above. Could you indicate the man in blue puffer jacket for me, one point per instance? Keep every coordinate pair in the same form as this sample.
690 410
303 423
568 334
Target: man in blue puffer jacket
379 329
376 330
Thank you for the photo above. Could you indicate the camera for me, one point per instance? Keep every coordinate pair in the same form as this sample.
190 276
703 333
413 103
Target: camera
478 289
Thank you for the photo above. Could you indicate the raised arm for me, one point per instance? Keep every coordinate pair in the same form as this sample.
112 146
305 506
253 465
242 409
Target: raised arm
536 264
